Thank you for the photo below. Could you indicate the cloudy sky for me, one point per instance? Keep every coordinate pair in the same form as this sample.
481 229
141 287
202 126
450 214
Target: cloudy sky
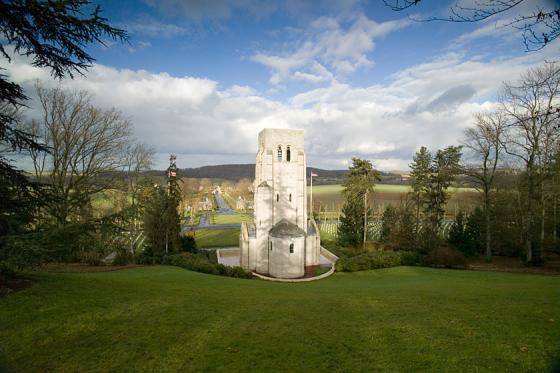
202 78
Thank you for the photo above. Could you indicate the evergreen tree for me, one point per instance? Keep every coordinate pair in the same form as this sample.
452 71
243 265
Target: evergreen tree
420 172
443 170
389 221
161 224
360 181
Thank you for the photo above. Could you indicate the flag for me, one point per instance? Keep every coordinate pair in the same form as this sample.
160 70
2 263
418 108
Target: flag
312 174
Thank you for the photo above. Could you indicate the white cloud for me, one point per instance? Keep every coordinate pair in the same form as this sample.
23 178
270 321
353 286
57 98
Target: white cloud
151 27
338 45
139 46
427 104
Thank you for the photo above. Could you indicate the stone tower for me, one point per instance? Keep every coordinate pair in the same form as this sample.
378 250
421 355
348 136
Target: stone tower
281 241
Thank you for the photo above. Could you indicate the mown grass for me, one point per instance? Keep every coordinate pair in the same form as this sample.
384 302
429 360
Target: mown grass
231 219
170 319
217 237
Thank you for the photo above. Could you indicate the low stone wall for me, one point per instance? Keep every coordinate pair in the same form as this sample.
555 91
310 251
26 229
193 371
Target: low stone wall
330 256
326 253
326 274
226 256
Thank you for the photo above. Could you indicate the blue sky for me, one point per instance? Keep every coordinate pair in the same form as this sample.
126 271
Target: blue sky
201 78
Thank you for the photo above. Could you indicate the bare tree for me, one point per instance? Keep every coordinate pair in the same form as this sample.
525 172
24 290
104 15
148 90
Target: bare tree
484 142
138 157
539 26
85 148
532 108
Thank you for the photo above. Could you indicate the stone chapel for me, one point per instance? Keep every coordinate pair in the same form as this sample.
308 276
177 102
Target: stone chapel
281 241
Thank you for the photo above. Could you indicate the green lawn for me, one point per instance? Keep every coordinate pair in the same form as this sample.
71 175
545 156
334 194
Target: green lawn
217 237
231 219
170 319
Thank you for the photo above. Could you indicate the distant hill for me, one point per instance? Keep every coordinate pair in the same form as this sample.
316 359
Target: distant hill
235 172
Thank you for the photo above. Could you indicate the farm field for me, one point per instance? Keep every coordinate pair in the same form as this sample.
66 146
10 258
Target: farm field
329 198
170 319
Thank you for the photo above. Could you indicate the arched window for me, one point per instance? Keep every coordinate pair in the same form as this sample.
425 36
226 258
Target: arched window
288 154
279 153
277 197
291 248
290 197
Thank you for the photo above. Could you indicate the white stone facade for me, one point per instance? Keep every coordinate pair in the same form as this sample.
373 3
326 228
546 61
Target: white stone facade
281 241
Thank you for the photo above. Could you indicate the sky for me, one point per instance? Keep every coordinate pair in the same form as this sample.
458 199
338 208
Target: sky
201 78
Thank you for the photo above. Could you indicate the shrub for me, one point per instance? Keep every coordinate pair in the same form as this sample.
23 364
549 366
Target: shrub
370 260
411 258
201 262
446 257
93 257
465 234
123 257
188 244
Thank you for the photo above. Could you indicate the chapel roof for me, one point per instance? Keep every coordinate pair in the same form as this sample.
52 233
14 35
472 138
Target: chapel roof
286 229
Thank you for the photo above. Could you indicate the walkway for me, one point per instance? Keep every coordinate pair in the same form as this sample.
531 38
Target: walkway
224 209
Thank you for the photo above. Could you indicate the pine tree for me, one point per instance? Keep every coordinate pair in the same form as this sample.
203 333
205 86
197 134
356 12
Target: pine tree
359 182
420 173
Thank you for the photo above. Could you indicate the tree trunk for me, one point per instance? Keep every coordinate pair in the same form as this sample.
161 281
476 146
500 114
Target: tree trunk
487 222
555 222
543 215
365 221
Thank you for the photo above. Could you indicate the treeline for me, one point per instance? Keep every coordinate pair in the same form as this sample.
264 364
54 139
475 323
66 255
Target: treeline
237 172
511 155
77 151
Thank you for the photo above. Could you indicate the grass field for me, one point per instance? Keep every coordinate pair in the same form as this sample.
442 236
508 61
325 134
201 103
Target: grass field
170 319
217 237
231 219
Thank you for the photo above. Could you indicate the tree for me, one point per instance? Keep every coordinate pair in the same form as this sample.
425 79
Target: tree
388 222
86 147
161 224
420 173
484 142
360 181
532 136
397 227
137 157
540 24
53 34
443 170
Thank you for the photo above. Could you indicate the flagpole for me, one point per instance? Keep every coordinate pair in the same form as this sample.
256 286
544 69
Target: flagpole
311 195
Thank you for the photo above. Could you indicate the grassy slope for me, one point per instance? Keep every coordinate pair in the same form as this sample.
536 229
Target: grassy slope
401 319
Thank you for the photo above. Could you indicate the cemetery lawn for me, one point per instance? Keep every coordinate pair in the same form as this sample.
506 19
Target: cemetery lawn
218 219
217 237
170 319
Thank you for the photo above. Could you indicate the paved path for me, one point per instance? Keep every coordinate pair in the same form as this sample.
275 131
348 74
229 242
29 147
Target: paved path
220 226
205 222
224 209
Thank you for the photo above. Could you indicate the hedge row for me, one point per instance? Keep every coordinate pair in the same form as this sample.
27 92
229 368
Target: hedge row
439 257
